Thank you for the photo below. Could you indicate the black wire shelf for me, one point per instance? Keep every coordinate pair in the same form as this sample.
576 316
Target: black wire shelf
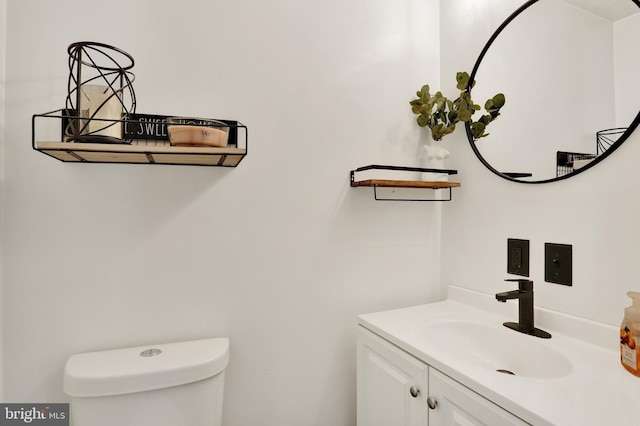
568 162
144 141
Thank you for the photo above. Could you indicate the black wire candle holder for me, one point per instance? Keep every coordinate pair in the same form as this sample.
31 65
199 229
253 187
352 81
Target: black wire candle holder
100 93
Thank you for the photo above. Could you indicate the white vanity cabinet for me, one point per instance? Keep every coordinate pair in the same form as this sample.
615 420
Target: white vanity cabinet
460 406
392 385
395 388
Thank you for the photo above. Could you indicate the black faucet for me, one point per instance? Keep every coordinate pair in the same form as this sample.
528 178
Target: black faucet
524 294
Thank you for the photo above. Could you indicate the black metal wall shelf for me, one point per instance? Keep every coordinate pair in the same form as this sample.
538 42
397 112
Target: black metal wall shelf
138 151
569 162
412 184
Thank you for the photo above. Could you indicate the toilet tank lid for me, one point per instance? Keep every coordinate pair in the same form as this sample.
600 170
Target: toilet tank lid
144 368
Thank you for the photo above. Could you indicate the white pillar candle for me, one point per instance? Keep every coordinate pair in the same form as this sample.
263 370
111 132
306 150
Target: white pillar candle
99 101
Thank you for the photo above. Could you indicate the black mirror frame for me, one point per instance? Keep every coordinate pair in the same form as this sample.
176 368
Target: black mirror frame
609 151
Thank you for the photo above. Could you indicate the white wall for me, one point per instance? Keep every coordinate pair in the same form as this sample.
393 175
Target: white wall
627 32
596 211
279 253
3 21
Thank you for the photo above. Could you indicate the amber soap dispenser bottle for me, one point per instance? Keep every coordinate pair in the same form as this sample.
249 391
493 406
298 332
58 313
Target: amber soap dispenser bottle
630 335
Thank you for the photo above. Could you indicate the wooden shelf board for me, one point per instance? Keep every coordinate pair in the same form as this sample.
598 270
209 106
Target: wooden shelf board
142 154
405 184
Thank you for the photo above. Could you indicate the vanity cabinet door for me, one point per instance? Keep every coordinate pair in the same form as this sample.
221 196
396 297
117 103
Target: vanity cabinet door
392 385
457 405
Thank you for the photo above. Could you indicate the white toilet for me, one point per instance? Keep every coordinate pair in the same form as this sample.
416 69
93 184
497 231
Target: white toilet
174 384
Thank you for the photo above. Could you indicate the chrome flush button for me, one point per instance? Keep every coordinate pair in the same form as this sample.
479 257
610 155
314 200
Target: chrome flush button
150 352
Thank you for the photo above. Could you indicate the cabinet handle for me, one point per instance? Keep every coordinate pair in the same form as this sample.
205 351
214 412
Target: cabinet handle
432 402
414 391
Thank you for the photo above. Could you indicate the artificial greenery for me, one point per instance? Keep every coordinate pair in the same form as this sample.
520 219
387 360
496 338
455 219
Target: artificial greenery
441 114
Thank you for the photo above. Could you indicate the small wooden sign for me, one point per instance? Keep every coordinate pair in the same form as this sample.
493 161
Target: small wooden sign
145 126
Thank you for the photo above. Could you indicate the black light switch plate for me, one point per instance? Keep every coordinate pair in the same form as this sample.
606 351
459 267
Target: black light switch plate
558 264
518 257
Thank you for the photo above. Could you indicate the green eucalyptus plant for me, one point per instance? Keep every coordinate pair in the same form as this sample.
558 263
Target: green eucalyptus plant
441 114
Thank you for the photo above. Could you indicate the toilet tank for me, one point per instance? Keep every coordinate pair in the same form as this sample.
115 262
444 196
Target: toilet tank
172 384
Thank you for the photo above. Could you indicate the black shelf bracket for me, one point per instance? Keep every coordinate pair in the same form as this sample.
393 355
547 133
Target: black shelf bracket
377 198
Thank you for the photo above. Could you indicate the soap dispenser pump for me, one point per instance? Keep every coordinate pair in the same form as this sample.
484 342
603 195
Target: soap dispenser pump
630 335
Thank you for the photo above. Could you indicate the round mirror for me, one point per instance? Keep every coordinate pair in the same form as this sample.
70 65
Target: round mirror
569 70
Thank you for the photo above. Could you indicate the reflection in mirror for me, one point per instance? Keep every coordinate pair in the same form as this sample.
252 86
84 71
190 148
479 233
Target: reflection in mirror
569 70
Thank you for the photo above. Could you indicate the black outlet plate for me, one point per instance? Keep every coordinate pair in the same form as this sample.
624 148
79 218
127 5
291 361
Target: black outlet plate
558 264
518 257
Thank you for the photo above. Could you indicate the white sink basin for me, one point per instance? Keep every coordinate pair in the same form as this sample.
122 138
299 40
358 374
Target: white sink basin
499 349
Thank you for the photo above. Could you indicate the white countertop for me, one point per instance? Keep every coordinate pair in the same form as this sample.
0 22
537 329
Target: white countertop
597 391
